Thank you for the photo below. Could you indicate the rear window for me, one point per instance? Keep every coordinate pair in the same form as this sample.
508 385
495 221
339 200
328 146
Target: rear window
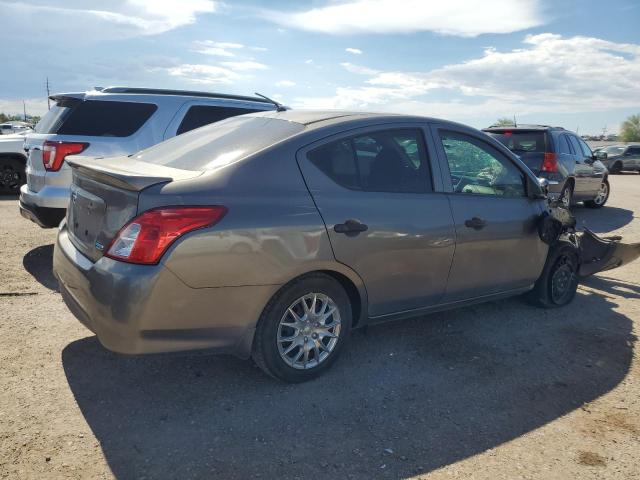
98 118
220 144
51 120
521 141
201 115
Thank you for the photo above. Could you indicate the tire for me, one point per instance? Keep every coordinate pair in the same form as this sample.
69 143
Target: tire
269 352
566 195
616 168
558 282
601 198
12 176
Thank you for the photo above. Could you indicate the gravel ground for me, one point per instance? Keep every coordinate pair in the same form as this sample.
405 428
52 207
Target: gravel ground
496 391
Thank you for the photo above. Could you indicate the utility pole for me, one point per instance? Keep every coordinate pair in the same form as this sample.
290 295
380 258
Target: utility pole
24 109
48 93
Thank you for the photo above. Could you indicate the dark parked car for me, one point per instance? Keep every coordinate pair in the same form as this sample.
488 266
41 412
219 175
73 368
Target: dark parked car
574 173
273 234
620 157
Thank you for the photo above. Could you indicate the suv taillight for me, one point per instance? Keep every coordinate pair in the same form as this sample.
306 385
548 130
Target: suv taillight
550 163
54 153
145 238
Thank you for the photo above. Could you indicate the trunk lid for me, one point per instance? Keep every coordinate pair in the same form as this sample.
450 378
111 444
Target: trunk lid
104 197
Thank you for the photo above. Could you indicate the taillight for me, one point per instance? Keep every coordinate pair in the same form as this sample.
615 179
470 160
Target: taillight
145 238
54 153
550 163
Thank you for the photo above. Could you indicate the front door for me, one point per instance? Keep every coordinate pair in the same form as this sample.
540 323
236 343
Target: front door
375 193
497 244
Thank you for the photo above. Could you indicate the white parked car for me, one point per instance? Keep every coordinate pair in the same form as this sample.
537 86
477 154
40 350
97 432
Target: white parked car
113 121
10 128
12 163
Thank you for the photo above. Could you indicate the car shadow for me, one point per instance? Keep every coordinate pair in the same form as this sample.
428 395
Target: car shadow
601 220
405 399
39 263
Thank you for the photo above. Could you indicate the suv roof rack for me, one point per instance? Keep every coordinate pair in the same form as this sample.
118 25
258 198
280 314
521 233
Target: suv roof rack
187 93
526 125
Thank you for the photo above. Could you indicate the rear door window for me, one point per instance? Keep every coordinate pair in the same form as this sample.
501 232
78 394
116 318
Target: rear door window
563 145
383 161
576 146
200 115
99 118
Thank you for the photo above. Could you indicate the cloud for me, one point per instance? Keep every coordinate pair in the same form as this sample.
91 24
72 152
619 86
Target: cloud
97 20
222 49
218 49
550 74
355 51
205 74
454 17
245 65
285 83
13 106
309 61
359 69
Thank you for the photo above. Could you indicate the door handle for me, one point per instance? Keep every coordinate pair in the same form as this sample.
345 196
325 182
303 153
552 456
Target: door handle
350 227
475 223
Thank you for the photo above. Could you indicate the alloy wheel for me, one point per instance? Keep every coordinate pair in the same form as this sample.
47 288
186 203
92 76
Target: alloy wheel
602 194
309 331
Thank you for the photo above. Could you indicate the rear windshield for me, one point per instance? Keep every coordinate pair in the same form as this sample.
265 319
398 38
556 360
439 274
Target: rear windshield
98 118
219 144
520 141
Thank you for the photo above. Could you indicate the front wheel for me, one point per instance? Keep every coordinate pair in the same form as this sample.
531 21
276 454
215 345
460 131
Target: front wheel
601 197
616 168
303 329
558 282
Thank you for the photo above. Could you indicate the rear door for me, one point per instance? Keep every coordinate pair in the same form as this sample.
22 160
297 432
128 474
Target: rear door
497 244
632 158
375 191
584 173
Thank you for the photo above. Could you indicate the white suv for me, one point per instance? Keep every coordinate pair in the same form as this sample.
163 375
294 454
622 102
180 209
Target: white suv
114 121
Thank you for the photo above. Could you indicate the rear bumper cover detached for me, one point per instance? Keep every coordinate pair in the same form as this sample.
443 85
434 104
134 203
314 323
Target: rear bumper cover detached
135 309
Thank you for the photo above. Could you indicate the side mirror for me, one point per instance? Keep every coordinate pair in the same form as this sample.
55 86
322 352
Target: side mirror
537 189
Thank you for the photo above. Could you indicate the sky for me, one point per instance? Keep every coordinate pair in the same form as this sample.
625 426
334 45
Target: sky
562 62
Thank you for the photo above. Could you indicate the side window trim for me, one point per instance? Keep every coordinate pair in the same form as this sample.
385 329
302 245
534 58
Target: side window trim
435 184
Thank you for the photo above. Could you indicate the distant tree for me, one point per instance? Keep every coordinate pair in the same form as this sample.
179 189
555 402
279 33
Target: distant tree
630 129
504 122
3 118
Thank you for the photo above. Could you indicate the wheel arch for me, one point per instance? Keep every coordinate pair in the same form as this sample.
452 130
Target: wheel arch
16 156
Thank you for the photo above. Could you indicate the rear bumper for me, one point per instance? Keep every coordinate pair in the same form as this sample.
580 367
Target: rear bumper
45 217
136 309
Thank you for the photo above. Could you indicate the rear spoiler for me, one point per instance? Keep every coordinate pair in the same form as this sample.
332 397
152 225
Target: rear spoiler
96 169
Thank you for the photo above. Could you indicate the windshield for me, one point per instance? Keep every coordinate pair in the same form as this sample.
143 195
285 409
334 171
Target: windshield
521 141
613 150
219 144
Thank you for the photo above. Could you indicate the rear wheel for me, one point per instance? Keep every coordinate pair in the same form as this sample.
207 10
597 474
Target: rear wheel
616 168
566 195
303 329
558 282
12 175
601 197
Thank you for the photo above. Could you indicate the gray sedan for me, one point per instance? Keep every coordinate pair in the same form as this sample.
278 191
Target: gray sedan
273 235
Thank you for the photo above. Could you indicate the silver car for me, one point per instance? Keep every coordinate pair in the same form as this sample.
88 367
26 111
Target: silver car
273 235
108 122
620 157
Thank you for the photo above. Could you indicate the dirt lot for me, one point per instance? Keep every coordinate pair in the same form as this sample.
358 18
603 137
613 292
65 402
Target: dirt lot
497 391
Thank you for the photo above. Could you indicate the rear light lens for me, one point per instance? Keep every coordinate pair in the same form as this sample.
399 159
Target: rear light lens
54 153
550 163
145 238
